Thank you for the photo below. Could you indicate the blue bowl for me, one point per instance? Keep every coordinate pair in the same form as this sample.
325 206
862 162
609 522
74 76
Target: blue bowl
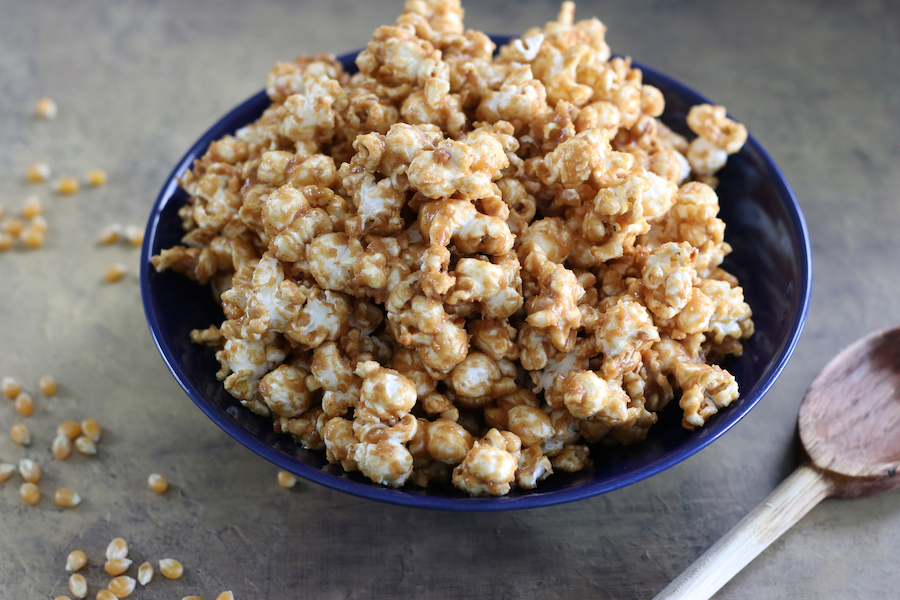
771 258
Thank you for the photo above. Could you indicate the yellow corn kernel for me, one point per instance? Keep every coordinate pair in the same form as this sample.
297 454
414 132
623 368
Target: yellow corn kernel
85 445
91 428
105 595
192 598
158 483
66 497
32 207
20 434
114 272
70 429
78 585
61 448
37 173
24 404
121 586
30 493
47 385
225 596
67 186
33 237
96 177
76 560
30 470
13 226
6 241
134 235
117 566
38 223
117 548
110 234
10 387
286 480
145 573
170 568
6 471
62 597
45 108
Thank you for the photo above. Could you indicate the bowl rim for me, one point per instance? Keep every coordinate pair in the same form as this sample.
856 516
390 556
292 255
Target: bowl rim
535 498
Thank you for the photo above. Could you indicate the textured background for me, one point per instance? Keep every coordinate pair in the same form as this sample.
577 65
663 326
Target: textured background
817 83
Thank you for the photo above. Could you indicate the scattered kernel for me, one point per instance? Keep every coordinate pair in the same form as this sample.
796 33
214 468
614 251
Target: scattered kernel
33 237
45 108
96 177
117 566
47 385
6 471
76 560
85 445
61 448
121 586
117 548
32 207
145 573
225 596
110 234
24 404
91 428
105 595
63 597
70 429
115 272
30 470
20 434
30 493
66 497
134 235
67 186
37 172
192 598
38 222
13 226
10 387
6 241
170 568
158 483
78 585
286 480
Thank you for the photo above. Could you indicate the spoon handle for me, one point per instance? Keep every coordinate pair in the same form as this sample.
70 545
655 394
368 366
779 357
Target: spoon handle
796 496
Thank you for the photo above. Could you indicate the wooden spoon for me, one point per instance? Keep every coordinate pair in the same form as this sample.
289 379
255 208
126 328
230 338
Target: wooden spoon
850 428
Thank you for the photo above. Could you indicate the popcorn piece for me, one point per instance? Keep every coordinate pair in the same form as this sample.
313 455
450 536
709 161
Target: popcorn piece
490 466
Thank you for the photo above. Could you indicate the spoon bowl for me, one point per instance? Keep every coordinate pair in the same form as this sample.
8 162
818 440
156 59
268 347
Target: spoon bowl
849 424
850 417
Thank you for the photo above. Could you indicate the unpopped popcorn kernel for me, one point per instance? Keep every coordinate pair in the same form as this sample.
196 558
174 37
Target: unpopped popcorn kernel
114 272
47 385
37 172
45 108
96 177
67 186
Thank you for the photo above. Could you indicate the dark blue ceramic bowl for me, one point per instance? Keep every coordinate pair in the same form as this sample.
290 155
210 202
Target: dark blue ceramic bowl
771 258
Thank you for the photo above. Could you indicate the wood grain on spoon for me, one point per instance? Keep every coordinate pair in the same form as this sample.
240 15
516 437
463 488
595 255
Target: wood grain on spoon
849 424
850 418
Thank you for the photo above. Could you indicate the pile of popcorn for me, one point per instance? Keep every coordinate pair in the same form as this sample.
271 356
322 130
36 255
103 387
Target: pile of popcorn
456 265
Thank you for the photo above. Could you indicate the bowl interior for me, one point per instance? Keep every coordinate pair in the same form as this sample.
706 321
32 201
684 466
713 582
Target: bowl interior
771 258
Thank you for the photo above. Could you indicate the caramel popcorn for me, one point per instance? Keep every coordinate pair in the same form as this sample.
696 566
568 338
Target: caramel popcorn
466 266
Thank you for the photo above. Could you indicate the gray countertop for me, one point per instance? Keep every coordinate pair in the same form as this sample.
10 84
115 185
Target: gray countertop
137 81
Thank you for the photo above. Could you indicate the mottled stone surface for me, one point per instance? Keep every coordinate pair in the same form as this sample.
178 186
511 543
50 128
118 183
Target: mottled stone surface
817 83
